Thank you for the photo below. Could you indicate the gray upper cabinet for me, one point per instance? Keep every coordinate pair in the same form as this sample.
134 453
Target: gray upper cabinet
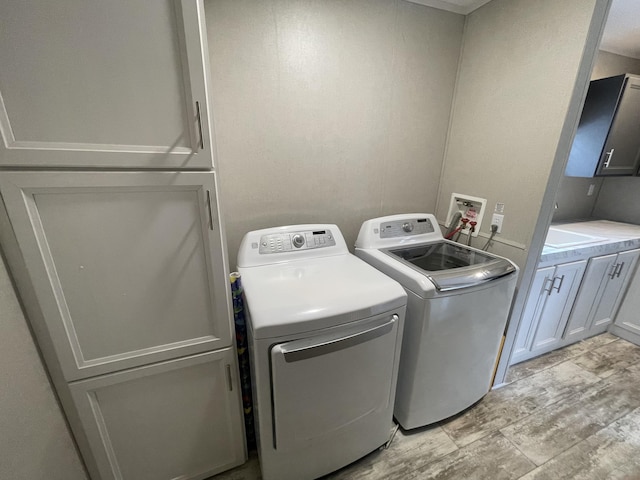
608 138
128 267
118 84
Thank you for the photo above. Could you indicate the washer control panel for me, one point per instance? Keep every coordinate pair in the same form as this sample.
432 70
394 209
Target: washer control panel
405 227
288 242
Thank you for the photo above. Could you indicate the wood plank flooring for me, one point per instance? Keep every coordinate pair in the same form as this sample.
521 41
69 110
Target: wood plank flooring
570 414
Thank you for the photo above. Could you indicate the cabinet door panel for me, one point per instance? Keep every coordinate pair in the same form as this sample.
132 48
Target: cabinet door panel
177 419
558 305
532 312
628 316
622 148
103 84
126 266
615 290
596 278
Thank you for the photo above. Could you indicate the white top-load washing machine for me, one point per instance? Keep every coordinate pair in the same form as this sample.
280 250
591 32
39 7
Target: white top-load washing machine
325 331
458 303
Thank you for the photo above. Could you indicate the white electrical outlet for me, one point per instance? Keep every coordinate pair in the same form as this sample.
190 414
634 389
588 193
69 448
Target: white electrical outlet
592 187
497 219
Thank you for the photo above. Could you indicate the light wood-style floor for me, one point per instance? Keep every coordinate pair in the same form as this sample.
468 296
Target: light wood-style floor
571 414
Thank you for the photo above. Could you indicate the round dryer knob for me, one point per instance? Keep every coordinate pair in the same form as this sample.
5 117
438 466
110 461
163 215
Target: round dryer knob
298 240
407 227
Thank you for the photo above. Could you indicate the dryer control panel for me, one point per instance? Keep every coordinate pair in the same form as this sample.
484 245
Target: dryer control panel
291 242
302 240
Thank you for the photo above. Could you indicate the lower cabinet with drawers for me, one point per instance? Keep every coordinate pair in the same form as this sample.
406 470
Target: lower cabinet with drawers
573 301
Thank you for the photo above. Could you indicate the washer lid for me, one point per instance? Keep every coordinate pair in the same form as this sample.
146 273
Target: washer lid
306 295
451 266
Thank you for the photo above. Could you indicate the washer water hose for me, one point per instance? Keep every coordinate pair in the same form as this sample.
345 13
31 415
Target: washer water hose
471 230
451 230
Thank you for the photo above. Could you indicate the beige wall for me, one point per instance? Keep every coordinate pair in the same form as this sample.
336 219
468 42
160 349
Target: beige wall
610 64
34 440
519 64
332 111
573 200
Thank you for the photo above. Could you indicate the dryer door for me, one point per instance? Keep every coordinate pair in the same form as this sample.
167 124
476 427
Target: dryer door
333 381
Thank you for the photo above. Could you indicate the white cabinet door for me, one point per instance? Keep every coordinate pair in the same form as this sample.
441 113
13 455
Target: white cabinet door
128 268
596 278
562 293
627 320
600 294
90 83
614 291
532 313
177 419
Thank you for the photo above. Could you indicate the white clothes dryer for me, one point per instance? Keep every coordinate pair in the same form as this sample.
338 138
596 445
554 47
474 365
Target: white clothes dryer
325 331
457 308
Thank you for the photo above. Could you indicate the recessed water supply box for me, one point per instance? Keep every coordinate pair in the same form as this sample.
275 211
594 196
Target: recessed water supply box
471 208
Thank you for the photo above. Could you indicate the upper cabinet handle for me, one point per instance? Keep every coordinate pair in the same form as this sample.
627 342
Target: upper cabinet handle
200 126
609 155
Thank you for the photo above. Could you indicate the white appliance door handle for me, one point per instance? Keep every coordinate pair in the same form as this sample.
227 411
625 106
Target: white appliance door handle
292 353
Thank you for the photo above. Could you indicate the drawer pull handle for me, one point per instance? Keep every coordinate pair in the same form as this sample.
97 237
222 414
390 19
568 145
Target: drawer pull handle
550 289
554 283
619 270
614 269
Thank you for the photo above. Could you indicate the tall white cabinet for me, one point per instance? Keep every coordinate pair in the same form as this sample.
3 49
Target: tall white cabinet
112 197
117 84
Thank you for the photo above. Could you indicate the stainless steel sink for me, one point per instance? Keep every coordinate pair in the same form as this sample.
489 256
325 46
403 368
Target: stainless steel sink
557 238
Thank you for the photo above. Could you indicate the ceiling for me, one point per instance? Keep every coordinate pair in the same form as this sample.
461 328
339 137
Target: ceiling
621 34
456 6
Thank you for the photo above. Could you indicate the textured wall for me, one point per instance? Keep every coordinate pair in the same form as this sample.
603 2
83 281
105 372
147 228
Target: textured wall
519 64
573 200
34 440
610 64
329 111
619 200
